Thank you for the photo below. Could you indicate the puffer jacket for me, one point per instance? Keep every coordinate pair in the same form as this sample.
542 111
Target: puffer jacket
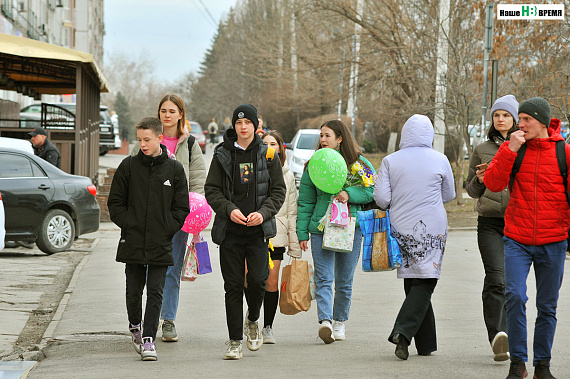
538 211
489 204
287 217
196 170
269 189
149 202
313 203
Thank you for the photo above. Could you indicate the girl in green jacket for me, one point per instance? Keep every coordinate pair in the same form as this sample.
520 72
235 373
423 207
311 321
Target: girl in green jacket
333 266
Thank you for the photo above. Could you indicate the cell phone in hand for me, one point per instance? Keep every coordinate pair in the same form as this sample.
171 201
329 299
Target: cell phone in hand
482 166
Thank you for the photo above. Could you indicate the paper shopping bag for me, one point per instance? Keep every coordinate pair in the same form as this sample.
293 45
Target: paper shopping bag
295 295
380 251
203 257
339 238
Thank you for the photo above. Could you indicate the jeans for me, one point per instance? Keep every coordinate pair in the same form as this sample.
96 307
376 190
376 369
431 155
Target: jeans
234 251
338 267
137 276
173 274
492 249
416 318
548 263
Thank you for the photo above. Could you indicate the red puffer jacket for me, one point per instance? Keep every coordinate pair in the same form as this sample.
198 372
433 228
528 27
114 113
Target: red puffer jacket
538 211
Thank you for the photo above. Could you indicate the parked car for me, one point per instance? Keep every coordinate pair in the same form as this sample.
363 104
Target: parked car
108 136
43 204
2 224
197 131
302 147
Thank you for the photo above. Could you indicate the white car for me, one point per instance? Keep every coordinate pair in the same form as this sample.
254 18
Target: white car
302 147
16 143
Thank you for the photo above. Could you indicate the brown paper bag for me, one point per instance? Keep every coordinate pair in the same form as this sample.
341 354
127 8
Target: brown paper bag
295 294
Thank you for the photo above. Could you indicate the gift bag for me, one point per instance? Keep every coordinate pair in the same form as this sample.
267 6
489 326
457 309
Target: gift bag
339 238
295 295
312 283
203 256
190 266
340 213
380 251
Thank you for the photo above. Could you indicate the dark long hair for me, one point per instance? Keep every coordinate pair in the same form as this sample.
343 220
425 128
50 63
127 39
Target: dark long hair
275 134
494 132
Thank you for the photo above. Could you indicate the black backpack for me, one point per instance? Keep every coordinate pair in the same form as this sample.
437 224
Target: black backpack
560 157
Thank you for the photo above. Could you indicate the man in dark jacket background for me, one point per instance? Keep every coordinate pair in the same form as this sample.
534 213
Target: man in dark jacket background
43 147
245 206
148 200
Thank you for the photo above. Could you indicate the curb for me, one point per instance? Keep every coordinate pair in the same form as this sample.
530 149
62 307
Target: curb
49 332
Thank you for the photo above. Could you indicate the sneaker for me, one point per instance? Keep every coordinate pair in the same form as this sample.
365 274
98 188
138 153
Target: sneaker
401 346
136 334
148 351
500 346
326 332
542 370
234 351
268 335
169 331
338 330
253 335
517 369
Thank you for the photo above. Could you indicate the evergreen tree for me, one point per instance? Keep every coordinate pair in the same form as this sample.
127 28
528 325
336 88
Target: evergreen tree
125 121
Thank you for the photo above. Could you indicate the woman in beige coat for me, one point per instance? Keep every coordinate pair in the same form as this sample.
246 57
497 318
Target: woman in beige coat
286 237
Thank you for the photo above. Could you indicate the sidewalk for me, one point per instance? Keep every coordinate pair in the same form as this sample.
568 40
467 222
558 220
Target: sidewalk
91 339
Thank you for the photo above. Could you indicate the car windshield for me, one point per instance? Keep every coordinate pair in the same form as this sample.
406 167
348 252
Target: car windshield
307 141
105 118
196 128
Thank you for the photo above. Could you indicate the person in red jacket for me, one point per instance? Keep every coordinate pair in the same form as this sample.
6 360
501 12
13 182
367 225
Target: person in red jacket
537 220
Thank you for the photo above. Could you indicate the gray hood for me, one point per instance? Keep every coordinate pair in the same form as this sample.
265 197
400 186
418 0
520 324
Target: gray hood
417 132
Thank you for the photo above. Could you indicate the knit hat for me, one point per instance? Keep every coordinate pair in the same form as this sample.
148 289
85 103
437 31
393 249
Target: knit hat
507 103
245 111
537 108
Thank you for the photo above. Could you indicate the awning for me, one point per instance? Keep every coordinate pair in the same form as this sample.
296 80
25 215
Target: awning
43 67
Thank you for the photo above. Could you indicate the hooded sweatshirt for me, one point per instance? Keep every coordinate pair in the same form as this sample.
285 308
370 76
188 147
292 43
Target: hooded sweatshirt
414 182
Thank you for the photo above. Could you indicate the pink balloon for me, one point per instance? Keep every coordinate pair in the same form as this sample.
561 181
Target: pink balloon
199 216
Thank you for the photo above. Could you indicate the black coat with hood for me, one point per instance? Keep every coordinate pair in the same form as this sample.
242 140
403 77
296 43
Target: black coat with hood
149 202
269 186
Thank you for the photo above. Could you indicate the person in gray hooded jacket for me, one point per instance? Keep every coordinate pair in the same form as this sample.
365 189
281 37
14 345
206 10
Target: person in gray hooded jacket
414 182
491 208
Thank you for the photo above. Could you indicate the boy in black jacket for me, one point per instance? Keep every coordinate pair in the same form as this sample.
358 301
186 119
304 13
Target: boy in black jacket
245 188
149 202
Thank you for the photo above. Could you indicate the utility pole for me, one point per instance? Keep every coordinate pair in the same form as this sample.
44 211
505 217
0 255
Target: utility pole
489 10
351 104
441 72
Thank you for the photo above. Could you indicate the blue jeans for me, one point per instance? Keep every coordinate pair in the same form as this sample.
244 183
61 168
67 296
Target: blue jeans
173 274
548 263
338 267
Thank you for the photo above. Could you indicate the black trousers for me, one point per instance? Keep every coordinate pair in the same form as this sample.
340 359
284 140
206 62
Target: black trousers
234 251
416 319
492 249
137 277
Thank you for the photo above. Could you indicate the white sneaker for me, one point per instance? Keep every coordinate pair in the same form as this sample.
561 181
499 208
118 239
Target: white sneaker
234 351
500 346
338 330
253 335
268 335
326 332
148 350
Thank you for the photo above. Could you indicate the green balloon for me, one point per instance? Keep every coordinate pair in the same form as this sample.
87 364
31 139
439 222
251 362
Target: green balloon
327 170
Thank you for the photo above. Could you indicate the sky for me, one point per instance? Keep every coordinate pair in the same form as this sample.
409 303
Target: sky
174 34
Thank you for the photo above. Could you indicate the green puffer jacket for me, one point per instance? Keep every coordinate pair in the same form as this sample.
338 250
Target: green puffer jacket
313 203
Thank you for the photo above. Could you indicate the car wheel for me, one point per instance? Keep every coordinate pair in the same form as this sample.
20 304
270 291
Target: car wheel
103 152
57 232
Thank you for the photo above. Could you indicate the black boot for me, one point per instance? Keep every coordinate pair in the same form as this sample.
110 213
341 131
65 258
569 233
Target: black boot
401 346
